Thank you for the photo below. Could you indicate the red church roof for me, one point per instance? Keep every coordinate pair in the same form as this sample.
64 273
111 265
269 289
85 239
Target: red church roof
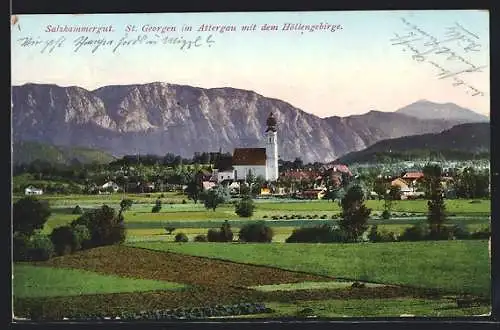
249 156
413 175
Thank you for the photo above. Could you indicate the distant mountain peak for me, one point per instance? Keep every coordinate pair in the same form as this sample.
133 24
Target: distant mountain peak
425 109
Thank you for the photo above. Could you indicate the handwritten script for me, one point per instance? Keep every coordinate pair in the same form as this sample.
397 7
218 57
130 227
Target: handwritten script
93 44
449 55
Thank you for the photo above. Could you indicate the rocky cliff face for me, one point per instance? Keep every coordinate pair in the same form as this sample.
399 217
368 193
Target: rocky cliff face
157 118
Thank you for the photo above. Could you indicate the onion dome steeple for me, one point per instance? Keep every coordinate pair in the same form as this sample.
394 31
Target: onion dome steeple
271 123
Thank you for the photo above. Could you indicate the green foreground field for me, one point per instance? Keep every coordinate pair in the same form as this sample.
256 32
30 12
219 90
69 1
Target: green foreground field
376 308
34 282
453 266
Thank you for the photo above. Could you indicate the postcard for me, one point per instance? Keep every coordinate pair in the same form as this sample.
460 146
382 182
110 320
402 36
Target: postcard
266 165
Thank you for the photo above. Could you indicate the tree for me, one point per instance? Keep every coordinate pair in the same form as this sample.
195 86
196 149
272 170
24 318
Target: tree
431 179
216 196
30 214
436 214
125 205
250 178
395 193
181 237
354 216
256 232
226 234
106 228
245 207
298 163
194 190
64 240
387 205
472 184
170 229
157 207
380 187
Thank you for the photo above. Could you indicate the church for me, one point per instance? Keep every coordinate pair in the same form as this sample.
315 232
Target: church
257 161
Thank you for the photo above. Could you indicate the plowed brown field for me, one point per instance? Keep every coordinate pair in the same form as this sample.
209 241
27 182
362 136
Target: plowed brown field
157 265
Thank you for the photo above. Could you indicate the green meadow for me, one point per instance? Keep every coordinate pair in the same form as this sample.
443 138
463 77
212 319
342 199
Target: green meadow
34 282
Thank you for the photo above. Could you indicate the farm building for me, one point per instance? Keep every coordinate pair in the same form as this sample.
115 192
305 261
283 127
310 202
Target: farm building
313 194
31 190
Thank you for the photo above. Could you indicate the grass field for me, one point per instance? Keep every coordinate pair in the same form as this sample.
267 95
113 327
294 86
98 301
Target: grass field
336 308
454 266
185 216
32 281
307 286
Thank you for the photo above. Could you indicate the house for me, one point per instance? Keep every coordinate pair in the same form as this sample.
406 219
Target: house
224 169
207 185
412 177
33 191
110 185
265 191
401 183
313 194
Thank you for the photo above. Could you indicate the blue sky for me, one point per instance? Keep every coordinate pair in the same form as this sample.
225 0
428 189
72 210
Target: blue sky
349 71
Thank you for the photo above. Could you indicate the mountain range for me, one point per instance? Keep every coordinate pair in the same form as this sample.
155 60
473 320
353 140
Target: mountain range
158 118
462 141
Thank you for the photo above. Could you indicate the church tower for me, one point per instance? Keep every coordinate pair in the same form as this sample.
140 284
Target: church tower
271 149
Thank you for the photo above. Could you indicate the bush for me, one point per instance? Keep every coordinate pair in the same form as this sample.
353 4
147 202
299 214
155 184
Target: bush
445 233
184 201
104 225
157 207
418 232
358 285
484 233
201 238
126 204
245 208
386 214
318 234
225 234
459 232
82 237
381 236
77 210
64 240
373 234
40 248
213 235
20 243
170 230
29 214
181 237
256 232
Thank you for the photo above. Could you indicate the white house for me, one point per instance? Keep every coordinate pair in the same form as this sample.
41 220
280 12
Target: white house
110 184
33 191
207 185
